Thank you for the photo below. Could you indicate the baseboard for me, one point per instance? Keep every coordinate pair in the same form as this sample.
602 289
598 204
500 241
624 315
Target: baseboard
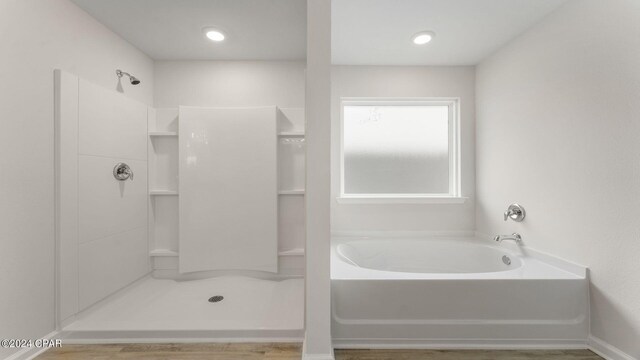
306 356
32 352
607 350
181 336
467 344
163 340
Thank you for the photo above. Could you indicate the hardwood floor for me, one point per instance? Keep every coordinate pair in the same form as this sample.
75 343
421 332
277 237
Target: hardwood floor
266 351
465 355
278 351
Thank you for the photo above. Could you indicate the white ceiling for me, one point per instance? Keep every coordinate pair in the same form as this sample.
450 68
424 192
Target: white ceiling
376 32
172 29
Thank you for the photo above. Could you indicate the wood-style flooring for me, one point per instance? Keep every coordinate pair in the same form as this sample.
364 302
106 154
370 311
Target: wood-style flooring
281 351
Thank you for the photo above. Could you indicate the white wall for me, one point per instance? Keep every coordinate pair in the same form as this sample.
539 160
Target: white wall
38 36
405 81
229 83
558 131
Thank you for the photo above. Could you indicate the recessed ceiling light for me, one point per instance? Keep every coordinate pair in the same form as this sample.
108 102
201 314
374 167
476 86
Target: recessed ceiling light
214 35
422 38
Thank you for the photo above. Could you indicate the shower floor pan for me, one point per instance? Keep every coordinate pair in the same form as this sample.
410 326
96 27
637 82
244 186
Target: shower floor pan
155 310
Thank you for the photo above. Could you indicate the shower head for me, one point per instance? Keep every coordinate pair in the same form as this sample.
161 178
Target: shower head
134 80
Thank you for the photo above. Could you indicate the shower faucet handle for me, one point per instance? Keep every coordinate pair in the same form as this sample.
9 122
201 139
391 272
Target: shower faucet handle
515 212
122 172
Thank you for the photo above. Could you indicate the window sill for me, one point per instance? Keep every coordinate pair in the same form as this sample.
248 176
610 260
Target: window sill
346 199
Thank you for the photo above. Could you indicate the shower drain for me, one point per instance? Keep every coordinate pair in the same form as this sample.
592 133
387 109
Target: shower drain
215 299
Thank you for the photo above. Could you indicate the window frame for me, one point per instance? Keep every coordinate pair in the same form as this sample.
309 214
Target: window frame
453 196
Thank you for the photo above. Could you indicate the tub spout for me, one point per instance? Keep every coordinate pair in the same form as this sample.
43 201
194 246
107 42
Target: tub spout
515 237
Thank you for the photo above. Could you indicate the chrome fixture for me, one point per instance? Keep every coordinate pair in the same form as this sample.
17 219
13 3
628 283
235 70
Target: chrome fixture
134 80
506 260
515 237
122 172
515 212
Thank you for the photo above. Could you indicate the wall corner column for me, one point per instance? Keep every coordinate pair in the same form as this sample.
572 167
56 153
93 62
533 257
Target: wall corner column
317 344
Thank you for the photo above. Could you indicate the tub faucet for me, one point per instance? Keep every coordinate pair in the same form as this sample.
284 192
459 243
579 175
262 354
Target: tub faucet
515 237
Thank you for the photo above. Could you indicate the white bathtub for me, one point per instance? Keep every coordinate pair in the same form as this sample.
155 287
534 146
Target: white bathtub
432 257
454 293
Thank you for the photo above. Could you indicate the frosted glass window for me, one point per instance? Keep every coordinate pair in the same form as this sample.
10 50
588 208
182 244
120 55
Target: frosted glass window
402 149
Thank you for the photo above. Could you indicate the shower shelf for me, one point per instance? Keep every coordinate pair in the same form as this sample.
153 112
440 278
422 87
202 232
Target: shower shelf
291 252
163 192
291 134
163 133
163 252
291 192
163 137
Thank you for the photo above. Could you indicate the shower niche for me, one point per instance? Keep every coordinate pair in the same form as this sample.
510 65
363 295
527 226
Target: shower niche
164 196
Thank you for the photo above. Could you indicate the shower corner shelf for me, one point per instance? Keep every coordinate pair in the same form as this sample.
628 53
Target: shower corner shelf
163 192
162 133
291 192
291 252
291 134
163 252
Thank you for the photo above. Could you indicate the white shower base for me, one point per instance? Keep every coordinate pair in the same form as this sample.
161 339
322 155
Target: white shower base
155 310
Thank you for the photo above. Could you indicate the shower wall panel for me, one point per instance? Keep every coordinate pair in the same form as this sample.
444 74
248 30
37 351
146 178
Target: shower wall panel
228 189
228 84
102 222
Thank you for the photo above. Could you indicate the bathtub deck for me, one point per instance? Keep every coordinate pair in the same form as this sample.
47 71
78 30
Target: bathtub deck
291 352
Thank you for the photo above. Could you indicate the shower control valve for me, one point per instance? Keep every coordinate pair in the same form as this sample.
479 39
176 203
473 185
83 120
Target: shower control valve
515 212
122 172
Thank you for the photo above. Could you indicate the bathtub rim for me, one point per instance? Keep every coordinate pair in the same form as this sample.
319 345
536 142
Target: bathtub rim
457 245
535 265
